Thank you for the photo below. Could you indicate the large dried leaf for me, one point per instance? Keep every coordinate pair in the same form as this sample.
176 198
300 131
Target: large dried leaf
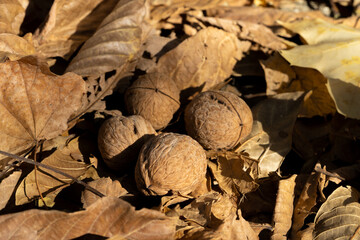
69 160
116 41
339 216
12 13
206 58
229 171
271 137
70 23
15 47
284 208
7 187
34 103
107 217
335 56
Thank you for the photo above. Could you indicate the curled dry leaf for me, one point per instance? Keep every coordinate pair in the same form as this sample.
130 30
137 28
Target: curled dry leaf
284 208
107 217
68 159
203 60
271 137
15 47
106 186
116 41
34 103
339 216
7 187
70 23
12 14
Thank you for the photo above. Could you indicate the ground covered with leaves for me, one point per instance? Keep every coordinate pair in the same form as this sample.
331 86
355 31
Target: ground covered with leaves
67 66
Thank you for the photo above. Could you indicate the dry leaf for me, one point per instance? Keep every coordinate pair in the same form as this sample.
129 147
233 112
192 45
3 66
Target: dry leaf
231 173
15 47
70 23
68 159
116 41
7 187
107 217
106 186
204 59
271 136
35 104
339 216
12 13
335 56
284 208
281 77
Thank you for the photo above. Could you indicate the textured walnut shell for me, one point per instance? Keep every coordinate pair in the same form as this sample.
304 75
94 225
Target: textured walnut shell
218 119
120 140
154 97
170 162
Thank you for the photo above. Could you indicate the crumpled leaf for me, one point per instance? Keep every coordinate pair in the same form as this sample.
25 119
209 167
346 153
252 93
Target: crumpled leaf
106 186
68 159
271 136
110 216
333 52
70 23
230 172
7 187
15 47
116 41
12 13
284 208
204 59
34 103
339 216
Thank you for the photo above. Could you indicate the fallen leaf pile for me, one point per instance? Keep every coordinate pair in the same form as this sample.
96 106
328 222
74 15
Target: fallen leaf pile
68 66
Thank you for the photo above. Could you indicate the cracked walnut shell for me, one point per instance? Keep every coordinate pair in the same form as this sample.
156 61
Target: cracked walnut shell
120 140
170 162
218 119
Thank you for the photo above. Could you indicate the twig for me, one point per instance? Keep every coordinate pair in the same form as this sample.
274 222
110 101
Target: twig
29 161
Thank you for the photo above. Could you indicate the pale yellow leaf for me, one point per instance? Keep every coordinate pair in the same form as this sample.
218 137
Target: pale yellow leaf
15 47
12 13
7 187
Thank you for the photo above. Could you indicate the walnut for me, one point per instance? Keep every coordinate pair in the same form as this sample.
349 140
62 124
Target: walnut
218 119
154 97
170 162
120 140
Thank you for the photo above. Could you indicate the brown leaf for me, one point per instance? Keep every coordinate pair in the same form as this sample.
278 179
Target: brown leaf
15 47
229 171
34 103
284 208
271 136
70 23
339 216
12 14
106 186
116 41
107 217
7 187
68 159
204 59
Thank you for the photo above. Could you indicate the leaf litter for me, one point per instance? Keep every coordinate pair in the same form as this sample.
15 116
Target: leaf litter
62 79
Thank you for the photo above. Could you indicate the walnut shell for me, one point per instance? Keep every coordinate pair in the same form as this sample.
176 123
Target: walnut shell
121 138
218 119
170 162
154 97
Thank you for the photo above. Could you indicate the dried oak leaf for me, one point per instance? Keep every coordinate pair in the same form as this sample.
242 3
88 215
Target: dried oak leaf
14 47
69 160
116 41
12 14
70 23
203 60
7 187
106 186
107 217
34 103
339 216
271 137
